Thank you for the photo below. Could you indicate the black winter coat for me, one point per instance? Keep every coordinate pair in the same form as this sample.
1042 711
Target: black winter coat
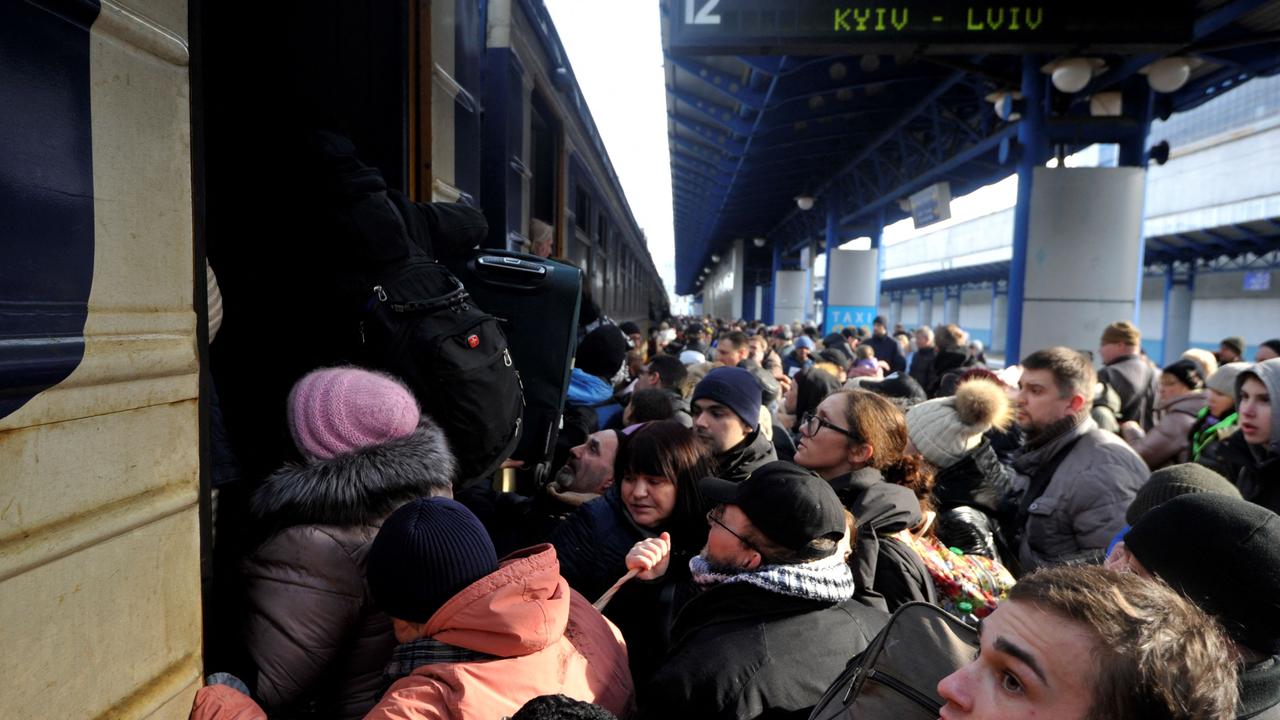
969 494
743 652
886 570
921 369
948 366
888 350
1257 479
739 462
593 542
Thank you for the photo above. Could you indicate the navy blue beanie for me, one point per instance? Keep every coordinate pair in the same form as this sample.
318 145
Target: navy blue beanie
426 552
736 389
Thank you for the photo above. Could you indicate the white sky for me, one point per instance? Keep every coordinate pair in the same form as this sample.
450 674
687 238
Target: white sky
615 48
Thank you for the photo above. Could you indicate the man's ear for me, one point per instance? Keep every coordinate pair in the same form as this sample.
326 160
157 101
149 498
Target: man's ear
1077 403
753 560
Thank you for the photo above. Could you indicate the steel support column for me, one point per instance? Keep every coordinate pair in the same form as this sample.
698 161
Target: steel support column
1034 145
951 305
1179 287
1133 153
832 240
925 308
999 317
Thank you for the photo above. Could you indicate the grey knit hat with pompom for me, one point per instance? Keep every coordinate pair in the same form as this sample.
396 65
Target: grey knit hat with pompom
944 430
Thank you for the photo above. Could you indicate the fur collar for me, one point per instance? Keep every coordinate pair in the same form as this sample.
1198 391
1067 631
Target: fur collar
358 488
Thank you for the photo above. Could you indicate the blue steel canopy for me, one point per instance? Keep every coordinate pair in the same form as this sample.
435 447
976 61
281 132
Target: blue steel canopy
860 132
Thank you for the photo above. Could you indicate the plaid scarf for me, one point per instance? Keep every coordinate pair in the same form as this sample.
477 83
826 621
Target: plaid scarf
828 579
426 651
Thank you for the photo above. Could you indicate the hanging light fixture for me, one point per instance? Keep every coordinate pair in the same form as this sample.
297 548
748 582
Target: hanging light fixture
1169 74
759 242
804 201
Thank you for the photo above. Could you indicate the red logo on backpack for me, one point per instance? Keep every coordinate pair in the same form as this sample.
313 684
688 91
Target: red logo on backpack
473 341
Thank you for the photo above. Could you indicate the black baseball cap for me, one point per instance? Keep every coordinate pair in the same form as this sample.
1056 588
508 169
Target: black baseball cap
789 504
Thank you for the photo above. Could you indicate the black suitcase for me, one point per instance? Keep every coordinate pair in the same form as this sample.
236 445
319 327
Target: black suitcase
537 300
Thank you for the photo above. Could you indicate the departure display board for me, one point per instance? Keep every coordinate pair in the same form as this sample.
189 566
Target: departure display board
821 27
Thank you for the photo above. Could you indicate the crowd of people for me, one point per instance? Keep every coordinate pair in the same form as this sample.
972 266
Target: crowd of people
747 505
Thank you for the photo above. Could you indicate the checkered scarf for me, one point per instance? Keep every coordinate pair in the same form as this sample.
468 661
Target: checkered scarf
409 656
828 579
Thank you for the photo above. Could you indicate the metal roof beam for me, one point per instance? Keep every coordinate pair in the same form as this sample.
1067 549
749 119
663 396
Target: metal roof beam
767 64
699 149
708 133
905 119
725 84
721 115
935 174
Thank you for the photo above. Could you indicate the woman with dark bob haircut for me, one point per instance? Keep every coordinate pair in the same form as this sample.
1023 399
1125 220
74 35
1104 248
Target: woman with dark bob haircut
659 466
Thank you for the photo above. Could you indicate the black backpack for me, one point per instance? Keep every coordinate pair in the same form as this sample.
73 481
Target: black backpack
416 319
896 677
422 326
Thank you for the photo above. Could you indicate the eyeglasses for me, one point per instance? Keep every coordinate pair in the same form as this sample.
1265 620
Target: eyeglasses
714 515
810 424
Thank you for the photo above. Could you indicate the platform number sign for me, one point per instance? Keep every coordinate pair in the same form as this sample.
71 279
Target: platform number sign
1257 281
699 12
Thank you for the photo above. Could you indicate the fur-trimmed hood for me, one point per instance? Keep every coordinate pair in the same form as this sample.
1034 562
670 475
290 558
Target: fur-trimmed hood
357 488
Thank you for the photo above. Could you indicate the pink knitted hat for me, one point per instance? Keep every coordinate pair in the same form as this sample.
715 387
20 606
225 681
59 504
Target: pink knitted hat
334 411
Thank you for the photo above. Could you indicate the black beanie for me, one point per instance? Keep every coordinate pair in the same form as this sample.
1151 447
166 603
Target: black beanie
1187 372
1170 482
1224 554
734 388
602 352
426 552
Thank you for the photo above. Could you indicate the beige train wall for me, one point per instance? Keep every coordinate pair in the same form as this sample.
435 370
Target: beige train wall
99 482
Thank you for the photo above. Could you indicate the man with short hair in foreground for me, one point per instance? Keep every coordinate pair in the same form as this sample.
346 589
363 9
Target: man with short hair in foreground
1085 643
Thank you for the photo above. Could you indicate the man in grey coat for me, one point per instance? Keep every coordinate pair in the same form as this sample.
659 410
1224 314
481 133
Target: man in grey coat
1074 480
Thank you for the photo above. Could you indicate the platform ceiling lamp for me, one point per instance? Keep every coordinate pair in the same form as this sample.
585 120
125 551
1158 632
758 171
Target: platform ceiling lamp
759 242
804 201
1169 74
715 258
1071 75
1007 104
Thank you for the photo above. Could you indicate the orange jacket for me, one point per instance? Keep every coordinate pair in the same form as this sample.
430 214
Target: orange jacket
548 638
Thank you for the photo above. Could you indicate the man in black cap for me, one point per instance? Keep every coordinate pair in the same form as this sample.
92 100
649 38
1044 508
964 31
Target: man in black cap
774 622
1223 553
886 347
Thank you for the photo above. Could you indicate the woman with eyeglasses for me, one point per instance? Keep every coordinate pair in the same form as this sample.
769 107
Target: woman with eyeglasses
857 441
659 467
808 388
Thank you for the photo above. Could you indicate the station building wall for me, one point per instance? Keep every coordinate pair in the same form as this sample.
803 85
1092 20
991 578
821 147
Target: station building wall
1220 307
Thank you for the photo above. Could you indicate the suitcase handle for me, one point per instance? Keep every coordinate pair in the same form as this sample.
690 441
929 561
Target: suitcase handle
510 271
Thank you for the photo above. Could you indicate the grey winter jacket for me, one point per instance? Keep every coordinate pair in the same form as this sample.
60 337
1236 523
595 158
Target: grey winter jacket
1168 441
1084 503
313 631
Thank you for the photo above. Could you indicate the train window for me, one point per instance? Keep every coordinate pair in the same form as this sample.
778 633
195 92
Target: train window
542 188
582 209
